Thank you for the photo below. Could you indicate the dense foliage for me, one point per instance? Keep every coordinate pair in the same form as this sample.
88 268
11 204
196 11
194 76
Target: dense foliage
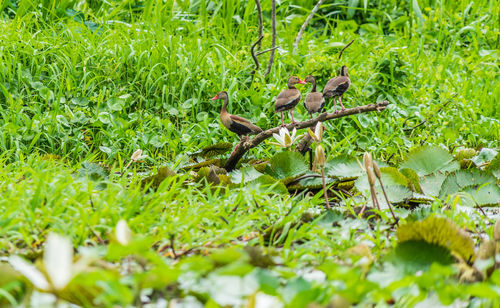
84 84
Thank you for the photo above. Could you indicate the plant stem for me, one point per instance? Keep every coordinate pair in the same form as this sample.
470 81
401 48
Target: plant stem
324 188
387 200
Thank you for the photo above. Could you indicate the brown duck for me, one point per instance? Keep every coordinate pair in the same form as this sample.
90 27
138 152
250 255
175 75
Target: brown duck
337 86
314 101
234 123
289 98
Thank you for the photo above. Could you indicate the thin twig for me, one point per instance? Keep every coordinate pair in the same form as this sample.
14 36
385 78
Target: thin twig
423 122
305 176
267 50
271 57
261 24
340 54
252 50
304 25
245 145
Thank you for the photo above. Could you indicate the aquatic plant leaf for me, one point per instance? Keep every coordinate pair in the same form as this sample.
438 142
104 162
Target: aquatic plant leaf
427 160
244 175
461 179
160 176
343 167
216 149
287 164
438 231
268 184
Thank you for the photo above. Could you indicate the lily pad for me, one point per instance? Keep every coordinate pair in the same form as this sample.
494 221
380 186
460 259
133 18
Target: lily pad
343 167
438 231
428 160
268 184
287 164
244 175
461 179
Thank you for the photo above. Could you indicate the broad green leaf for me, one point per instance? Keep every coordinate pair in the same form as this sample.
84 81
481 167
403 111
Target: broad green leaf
461 179
394 184
343 167
438 231
268 184
427 160
484 156
431 184
415 255
216 149
494 167
288 164
244 175
392 176
488 194
413 180
94 172
156 179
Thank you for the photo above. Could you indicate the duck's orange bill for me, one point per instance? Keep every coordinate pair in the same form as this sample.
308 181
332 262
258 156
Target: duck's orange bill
215 97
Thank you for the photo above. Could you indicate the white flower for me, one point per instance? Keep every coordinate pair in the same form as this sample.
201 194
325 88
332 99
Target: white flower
263 300
58 258
317 135
57 261
137 156
284 139
123 233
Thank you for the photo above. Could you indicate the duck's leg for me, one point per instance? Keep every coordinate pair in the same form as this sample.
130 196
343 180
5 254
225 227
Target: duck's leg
340 101
291 113
335 105
282 122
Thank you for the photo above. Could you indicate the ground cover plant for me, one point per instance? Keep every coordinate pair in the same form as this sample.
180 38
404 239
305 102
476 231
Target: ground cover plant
302 217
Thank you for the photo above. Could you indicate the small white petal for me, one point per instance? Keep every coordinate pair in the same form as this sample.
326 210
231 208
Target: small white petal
29 271
294 131
123 232
278 138
136 156
58 259
284 131
317 130
263 300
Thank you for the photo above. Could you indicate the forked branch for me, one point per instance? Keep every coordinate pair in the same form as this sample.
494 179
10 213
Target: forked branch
252 50
246 144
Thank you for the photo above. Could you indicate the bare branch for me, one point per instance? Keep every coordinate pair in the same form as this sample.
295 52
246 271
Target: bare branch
261 24
271 57
267 50
245 145
303 28
252 50
340 55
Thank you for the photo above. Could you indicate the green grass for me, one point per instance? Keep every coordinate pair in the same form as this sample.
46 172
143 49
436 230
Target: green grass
91 81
